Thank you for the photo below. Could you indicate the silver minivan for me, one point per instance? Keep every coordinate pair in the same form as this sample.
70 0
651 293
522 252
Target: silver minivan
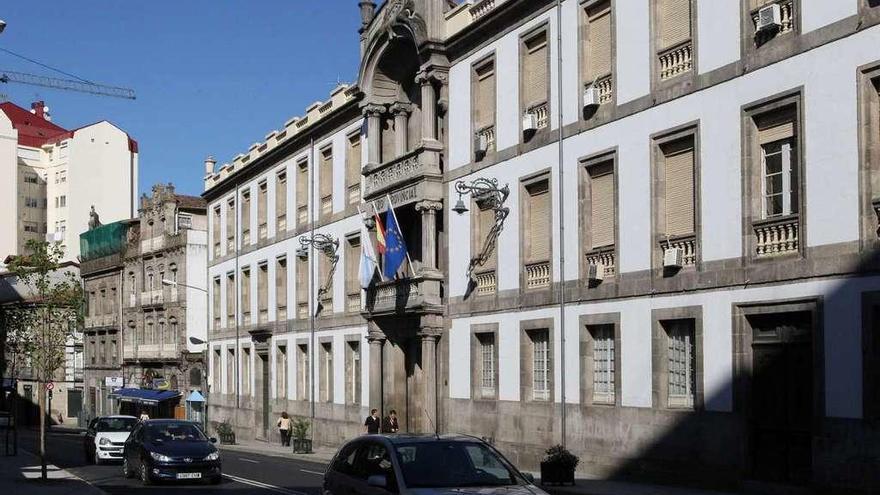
423 465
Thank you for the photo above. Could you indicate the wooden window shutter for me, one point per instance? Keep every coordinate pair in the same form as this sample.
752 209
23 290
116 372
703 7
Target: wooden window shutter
353 160
679 165
484 100
216 298
675 22
352 264
230 295
281 283
302 184
776 126
262 202
216 225
539 221
302 281
263 287
326 178
602 208
246 291
535 66
230 220
599 32
281 194
245 212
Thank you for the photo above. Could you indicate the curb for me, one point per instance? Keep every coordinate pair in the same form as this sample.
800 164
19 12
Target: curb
277 455
68 471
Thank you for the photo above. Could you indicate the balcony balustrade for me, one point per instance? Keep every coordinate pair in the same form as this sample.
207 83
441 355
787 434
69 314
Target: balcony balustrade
263 231
302 215
152 297
605 86
481 8
542 114
327 205
405 295
281 224
487 282
603 257
676 60
489 133
538 275
786 9
777 236
687 244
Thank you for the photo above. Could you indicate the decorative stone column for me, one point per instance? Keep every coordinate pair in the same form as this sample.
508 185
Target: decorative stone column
376 340
374 113
429 333
401 113
429 210
429 107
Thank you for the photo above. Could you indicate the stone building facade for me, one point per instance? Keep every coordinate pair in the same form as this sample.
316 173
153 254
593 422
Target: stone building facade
665 254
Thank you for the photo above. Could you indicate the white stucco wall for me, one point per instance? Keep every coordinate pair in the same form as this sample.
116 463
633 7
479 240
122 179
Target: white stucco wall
8 187
819 13
196 300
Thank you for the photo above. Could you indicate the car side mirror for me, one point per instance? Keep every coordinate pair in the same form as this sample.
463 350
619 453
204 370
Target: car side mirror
378 481
529 477
212 440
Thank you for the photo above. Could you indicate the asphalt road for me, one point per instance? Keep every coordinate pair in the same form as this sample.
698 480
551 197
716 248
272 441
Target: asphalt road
242 473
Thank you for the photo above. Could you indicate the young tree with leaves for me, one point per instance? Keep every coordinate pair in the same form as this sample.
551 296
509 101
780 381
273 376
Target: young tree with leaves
47 319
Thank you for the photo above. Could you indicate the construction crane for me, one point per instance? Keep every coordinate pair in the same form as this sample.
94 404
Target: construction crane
8 76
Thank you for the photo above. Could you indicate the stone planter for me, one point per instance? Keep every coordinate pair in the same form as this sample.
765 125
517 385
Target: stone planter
303 446
554 473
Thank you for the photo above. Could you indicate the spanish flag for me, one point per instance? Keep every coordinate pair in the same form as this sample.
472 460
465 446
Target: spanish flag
380 234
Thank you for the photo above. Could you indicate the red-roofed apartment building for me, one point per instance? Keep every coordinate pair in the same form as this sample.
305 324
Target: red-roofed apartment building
59 175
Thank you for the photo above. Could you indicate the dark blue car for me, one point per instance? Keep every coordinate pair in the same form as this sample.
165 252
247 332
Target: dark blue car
172 450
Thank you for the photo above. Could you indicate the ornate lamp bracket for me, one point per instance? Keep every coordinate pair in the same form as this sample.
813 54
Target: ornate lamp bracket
487 195
326 245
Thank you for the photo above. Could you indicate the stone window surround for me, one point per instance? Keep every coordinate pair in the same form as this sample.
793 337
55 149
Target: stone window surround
742 343
586 357
477 360
524 182
523 38
525 358
351 286
686 78
658 140
349 358
659 350
583 6
325 349
585 164
869 151
246 368
281 359
748 48
303 368
870 362
752 173
475 66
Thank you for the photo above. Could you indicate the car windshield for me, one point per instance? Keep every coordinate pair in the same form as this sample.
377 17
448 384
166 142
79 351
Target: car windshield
175 432
465 464
111 425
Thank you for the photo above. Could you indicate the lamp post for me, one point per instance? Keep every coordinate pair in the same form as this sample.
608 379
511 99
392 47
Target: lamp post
488 196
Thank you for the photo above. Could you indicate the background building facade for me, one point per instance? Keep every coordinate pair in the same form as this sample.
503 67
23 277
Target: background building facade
683 280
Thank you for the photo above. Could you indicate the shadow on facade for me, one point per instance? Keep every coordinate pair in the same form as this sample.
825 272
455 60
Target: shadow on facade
778 435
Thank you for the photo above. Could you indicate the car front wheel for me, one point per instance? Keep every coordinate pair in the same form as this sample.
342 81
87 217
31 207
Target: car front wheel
145 475
97 458
126 469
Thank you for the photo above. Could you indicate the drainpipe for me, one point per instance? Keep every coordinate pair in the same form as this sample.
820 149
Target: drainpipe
312 292
237 279
561 195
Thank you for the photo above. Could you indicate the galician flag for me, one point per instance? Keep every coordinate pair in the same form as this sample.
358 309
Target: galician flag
369 262
395 246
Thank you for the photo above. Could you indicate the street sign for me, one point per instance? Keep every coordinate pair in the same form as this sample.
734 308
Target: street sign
50 385
113 381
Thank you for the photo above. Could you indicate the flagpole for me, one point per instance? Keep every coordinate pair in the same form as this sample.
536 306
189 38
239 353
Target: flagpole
396 221
382 266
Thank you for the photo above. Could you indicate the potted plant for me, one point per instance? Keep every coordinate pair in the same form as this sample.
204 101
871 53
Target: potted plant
301 444
225 432
558 466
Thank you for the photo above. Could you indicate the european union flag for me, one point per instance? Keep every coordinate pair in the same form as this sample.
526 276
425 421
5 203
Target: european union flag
395 247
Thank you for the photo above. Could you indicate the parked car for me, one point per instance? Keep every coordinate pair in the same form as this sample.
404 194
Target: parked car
170 449
105 437
423 464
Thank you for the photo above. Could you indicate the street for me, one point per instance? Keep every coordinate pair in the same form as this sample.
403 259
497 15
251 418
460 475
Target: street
242 473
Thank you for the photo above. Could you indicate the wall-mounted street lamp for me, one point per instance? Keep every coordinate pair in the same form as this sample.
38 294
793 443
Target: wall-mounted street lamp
488 196
329 247
171 283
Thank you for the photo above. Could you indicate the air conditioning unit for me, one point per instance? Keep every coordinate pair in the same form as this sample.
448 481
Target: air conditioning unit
673 258
481 144
591 98
769 17
595 273
530 122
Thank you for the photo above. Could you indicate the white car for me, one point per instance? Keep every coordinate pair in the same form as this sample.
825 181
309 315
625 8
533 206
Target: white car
105 437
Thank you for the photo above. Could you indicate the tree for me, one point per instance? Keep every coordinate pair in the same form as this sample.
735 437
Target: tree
47 319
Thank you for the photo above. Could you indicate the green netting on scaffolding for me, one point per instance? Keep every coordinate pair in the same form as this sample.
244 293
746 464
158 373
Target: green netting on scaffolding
102 241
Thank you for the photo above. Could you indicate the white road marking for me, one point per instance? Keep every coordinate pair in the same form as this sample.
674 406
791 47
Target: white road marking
248 460
312 472
264 486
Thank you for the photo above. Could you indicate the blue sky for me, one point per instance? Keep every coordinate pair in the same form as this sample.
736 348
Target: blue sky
212 76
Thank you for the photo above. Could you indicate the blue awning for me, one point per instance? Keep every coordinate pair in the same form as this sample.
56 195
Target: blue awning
195 396
144 396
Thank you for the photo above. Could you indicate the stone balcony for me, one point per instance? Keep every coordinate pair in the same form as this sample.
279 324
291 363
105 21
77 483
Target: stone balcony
152 298
403 177
777 236
413 295
102 321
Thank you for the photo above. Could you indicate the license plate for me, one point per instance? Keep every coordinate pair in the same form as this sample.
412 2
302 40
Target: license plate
189 476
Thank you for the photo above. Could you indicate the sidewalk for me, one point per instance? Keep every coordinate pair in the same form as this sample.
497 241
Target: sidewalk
604 487
21 475
321 455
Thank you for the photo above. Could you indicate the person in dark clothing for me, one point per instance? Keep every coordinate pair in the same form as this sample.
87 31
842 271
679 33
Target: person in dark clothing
372 423
391 425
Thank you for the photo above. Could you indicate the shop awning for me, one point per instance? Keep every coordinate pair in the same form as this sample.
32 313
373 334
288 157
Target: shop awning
144 396
195 396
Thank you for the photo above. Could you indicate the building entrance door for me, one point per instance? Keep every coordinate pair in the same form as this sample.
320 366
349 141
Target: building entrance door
782 397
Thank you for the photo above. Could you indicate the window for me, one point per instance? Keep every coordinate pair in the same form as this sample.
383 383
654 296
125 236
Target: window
302 193
776 136
262 213
678 178
230 226
603 364
215 296
263 291
681 363
485 275
596 49
32 227
62 176
32 202
325 282
281 202
537 221
150 334
352 271
246 295
230 370
869 139
215 370
245 370
326 372
353 168
215 230
246 217
281 371
675 51
541 372
62 201
184 221
599 211
302 363
281 289
302 287
487 365
31 178
230 300
353 372
326 182
535 79
484 102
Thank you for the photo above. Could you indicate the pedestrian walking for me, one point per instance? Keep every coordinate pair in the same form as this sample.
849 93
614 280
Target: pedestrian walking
284 429
144 416
372 423
391 425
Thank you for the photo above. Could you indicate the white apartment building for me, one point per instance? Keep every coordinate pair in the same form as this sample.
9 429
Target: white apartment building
679 280
57 175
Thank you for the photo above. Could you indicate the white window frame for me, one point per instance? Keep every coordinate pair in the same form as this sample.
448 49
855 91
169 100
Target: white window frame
787 167
541 365
603 365
681 363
